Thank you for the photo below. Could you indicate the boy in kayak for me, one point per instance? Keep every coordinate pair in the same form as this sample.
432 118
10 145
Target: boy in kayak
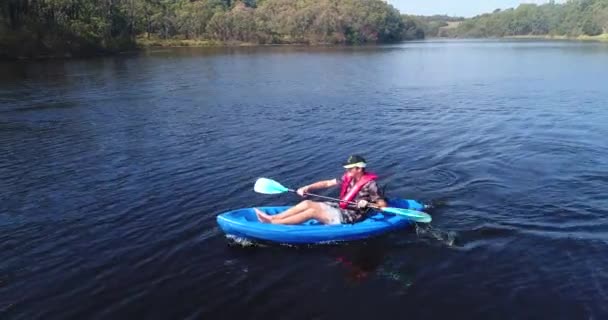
357 186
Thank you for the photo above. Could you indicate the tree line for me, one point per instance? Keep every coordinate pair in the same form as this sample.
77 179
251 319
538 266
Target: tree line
572 18
85 27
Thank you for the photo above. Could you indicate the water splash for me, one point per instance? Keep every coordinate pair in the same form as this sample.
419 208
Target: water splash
428 232
242 242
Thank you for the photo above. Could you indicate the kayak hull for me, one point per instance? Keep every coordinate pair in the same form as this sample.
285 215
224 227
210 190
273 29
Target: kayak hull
243 223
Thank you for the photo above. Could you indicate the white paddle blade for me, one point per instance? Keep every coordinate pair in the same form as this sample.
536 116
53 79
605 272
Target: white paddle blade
268 186
417 216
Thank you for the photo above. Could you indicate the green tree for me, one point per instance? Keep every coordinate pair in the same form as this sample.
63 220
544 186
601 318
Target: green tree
83 27
572 18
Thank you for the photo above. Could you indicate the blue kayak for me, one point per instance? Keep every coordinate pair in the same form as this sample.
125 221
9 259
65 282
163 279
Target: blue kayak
243 223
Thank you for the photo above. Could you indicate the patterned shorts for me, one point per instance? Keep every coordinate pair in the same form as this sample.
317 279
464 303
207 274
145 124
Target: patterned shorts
338 215
333 213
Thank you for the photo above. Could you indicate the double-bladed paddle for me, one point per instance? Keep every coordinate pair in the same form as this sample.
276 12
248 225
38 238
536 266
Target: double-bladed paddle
269 186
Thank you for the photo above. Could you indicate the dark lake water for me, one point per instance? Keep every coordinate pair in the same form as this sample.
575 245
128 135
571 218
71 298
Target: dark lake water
113 171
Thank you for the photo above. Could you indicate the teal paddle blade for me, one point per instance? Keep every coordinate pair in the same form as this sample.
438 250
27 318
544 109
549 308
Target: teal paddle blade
268 186
412 214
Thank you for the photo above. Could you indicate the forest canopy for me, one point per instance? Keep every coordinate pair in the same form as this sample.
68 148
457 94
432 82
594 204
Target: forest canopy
85 27
573 18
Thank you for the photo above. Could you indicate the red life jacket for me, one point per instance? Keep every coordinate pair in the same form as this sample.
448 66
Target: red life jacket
352 193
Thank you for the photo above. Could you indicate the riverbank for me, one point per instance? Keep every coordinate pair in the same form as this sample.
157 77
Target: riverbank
156 42
145 42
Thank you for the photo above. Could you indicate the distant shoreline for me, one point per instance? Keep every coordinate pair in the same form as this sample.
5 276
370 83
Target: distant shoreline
600 38
201 43
145 43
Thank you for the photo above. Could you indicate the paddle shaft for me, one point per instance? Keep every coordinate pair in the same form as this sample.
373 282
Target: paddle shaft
334 199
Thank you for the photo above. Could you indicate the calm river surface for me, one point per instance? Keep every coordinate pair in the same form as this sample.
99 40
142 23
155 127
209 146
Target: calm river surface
113 170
